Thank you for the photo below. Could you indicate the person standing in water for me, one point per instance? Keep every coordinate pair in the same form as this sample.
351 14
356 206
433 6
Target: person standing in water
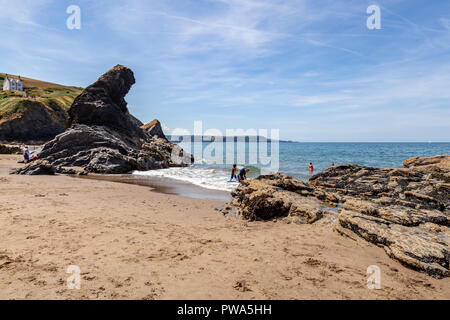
311 168
243 174
233 172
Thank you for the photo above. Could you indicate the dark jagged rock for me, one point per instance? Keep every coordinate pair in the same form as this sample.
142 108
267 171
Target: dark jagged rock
103 104
418 239
154 128
38 121
42 167
403 187
105 138
405 211
437 163
277 196
5 149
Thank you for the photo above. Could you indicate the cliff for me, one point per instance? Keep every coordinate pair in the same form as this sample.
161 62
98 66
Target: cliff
38 114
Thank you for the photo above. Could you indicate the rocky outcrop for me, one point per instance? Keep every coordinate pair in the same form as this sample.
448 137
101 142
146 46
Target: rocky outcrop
105 138
402 187
154 128
417 238
103 104
277 196
42 167
6 149
36 122
405 211
437 163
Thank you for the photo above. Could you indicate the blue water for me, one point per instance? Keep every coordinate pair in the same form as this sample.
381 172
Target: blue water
294 159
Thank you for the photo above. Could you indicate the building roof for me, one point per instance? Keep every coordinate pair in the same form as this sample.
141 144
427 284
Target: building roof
12 79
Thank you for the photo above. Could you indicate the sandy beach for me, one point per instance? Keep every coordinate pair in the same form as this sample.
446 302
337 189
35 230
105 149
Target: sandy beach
133 243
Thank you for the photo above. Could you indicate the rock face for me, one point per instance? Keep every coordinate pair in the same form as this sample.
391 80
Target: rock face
406 235
402 187
103 104
436 163
154 129
405 211
42 167
5 149
105 138
277 196
38 121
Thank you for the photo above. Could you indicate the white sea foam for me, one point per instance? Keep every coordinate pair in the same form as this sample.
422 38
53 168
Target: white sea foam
215 179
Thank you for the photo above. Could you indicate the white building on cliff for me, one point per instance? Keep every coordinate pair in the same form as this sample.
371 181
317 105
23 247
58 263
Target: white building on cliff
12 84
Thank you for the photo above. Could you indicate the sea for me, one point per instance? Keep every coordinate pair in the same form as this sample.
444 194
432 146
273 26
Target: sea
214 160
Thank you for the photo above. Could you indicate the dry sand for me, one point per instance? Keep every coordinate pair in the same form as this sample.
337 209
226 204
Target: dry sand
132 243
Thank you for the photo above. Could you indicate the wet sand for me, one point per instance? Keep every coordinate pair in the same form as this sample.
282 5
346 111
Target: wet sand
134 243
165 185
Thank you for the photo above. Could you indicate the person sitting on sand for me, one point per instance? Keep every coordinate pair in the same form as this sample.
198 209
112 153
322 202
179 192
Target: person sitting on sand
233 172
26 154
243 174
311 167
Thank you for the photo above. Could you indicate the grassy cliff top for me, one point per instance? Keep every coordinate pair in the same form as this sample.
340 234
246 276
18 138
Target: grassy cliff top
47 94
33 83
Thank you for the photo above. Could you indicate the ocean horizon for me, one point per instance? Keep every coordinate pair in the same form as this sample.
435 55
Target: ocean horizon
294 159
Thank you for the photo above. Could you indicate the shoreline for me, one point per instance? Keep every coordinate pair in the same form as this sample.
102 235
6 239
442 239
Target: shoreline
134 244
164 185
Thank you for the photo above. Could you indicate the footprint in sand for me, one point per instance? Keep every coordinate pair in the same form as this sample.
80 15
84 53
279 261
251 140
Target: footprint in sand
242 286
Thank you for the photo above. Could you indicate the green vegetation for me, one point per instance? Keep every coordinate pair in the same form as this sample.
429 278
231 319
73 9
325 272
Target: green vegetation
9 94
55 98
9 107
59 92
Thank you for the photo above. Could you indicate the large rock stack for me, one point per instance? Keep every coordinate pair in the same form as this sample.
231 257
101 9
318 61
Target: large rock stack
103 137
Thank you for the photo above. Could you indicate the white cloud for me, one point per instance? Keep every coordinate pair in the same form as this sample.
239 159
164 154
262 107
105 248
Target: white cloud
315 59
306 101
23 11
445 23
236 24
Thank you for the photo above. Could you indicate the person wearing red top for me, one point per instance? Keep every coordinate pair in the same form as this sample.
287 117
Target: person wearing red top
233 172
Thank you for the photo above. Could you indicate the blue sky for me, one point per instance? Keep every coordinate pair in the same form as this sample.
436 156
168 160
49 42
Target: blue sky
310 68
